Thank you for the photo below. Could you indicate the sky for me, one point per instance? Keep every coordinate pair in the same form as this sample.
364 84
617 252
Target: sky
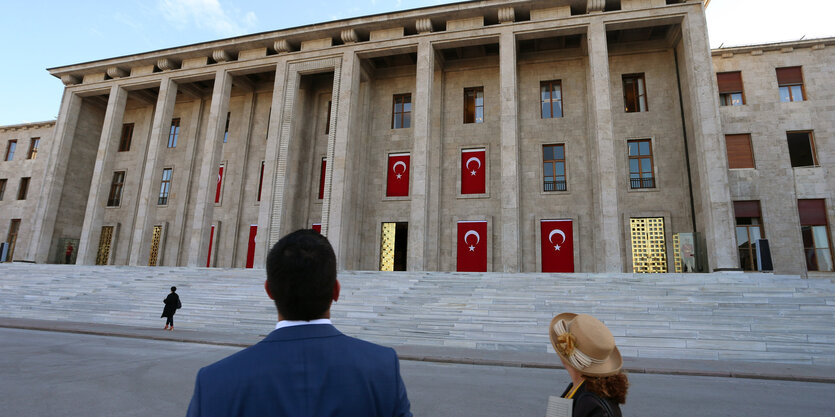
38 34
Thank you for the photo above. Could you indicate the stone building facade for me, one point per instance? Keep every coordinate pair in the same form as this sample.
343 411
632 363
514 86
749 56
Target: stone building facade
414 138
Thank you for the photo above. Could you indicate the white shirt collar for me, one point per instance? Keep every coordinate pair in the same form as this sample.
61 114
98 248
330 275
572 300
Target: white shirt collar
290 323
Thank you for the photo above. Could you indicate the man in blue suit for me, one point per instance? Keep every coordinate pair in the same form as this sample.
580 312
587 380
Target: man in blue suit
305 367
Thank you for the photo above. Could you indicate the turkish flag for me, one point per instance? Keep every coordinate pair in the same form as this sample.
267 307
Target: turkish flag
211 242
397 184
219 183
557 245
322 179
472 246
250 249
317 227
473 164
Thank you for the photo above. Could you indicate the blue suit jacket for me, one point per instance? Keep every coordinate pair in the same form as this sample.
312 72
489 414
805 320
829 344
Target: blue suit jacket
310 370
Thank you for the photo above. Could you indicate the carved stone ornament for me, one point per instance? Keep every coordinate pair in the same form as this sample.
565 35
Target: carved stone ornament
220 55
282 46
165 64
595 6
116 72
423 25
506 15
349 36
68 79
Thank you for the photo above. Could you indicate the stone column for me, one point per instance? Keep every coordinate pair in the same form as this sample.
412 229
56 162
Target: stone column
421 127
54 175
715 211
207 177
510 226
146 203
184 175
606 215
99 186
336 207
239 174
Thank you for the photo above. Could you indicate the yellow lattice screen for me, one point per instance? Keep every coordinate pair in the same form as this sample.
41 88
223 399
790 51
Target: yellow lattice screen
152 259
677 254
648 247
104 245
387 247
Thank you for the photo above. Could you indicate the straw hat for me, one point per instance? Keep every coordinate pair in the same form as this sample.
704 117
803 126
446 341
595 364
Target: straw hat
586 344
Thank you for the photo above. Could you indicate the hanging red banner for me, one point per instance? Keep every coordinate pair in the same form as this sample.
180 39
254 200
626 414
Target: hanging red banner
472 246
211 242
219 183
250 249
397 184
557 245
322 179
473 167
317 227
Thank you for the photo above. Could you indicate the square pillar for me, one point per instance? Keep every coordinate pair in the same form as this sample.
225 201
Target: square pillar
509 97
419 190
99 186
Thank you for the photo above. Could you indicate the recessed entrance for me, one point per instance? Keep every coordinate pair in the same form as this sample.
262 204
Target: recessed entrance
393 242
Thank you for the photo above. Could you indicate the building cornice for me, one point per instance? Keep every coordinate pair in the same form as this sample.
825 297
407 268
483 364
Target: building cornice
24 126
777 46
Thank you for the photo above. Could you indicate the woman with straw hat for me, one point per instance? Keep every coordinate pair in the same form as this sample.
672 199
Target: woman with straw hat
587 349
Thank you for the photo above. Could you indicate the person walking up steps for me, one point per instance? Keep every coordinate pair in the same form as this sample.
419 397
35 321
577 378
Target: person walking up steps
172 304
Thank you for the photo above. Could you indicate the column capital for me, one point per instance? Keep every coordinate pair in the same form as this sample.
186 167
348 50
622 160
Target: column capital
423 25
595 6
165 64
220 55
116 72
507 15
69 79
349 36
282 46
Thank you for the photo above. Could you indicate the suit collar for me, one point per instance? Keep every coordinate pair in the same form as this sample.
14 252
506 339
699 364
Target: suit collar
308 331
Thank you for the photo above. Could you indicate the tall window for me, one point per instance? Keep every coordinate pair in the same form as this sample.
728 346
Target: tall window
226 129
815 231
474 105
802 149
34 143
740 154
10 147
2 187
127 136
790 80
164 187
553 167
634 93
260 181
550 96
116 185
730 88
173 133
23 190
749 225
401 113
640 164
328 119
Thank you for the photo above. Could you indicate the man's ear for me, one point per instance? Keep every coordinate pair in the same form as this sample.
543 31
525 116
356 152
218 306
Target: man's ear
336 289
267 289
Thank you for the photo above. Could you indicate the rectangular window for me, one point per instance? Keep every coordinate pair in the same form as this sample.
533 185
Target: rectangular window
815 231
474 105
730 88
790 80
24 188
164 187
553 168
10 147
802 149
34 143
226 129
2 187
740 153
328 120
322 170
219 190
550 93
116 185
634 93
401 113
640 164
173 133
749 228
260 181
127 136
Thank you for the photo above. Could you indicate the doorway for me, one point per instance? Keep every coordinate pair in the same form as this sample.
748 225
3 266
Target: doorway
393 246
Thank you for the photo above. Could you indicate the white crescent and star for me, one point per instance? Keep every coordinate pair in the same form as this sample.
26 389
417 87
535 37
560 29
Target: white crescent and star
556 232
394 168
477 239
467 165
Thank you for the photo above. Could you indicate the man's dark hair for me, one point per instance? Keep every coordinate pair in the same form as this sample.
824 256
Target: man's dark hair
301 274
173 289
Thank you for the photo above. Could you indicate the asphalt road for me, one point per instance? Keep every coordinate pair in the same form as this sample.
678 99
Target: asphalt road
65 374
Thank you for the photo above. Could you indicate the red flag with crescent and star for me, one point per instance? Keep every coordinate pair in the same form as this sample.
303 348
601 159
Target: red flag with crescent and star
398 175
219 183
557 246
473 165
472 246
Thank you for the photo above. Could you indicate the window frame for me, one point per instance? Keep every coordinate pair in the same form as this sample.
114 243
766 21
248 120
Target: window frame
328 119
34 144
173 133
260 182
551 84
165 186
402 112
114 198
126 138
789 86
3 182
750 149
812 148
726 97
639 77
474 91
11 146
554 175
23 188
639 157
750 249
815 248
226 129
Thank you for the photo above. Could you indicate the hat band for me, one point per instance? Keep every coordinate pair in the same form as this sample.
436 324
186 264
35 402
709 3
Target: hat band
565 344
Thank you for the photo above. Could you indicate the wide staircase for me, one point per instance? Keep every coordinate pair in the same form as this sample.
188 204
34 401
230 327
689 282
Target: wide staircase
725 316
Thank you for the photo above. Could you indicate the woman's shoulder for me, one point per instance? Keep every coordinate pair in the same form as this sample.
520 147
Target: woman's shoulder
589 404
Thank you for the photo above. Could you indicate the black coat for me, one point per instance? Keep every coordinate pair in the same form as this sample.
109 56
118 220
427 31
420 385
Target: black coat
589 404
172 303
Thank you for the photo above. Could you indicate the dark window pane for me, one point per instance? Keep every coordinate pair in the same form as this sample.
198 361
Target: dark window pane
559 152
549 168
644 147
633 165
808 236
800 149
547 153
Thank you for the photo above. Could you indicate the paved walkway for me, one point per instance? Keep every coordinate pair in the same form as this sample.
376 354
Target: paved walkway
696 317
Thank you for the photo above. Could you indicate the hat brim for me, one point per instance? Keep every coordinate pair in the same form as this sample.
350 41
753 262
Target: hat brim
611 366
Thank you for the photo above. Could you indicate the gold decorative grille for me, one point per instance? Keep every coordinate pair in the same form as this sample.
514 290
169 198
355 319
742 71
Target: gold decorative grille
648 247
104 245
387 247
152 259
677 254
